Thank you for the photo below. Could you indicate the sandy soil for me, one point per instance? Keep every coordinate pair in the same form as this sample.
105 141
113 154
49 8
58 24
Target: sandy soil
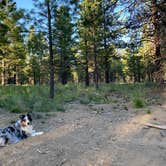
91 135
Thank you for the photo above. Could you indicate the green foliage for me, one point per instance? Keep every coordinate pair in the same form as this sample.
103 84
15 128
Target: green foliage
15 110
90 33
37 57
135 66
64 42
86 37
18 99
12 50
148 111
138 103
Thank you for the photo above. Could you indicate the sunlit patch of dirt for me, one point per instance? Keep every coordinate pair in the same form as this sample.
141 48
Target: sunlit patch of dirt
133 126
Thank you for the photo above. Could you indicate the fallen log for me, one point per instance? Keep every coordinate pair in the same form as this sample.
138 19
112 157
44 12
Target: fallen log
162 127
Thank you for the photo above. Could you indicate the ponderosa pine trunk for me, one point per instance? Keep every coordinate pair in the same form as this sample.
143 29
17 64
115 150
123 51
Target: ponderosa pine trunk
86 66
3 73
96 66
107 70
51 59
158 57
106 59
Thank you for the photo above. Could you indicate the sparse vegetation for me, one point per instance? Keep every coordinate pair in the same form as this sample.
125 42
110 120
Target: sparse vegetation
138 103
148 111
18 99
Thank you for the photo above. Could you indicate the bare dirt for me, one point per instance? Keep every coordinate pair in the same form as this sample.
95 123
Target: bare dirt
91 135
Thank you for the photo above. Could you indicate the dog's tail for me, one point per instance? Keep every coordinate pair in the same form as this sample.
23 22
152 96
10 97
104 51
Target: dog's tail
3 140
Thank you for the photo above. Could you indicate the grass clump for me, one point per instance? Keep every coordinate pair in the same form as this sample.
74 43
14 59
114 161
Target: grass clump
18 99
148 111
60 108
138 103
15 110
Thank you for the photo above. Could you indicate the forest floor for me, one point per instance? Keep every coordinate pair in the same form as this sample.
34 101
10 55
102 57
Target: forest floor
91 135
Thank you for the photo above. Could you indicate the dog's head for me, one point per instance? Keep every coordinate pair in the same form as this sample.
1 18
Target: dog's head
25 120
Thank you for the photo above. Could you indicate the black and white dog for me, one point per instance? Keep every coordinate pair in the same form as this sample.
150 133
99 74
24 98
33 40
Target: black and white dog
18 131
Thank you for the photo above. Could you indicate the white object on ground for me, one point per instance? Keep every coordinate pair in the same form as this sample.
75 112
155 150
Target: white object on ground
163 127
30 131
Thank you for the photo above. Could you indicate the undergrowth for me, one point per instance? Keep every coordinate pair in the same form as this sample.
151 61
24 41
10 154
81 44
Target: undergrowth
18 99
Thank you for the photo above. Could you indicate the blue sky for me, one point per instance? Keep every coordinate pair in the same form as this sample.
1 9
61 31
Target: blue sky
26 4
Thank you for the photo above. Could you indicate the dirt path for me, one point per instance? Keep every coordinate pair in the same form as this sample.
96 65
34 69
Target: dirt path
94 135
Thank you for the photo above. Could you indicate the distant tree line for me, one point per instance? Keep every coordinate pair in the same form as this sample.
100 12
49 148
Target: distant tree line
90 41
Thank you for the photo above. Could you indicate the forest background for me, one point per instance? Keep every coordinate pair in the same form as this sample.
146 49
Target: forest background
80 44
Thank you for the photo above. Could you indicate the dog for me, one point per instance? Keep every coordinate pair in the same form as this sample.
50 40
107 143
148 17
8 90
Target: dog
20 130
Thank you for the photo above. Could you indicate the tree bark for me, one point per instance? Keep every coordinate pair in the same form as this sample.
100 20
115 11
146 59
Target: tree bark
51 60
63 69
106 59
86 66
64 77
107 70
86 73
158 57
3 73
34 78
96 66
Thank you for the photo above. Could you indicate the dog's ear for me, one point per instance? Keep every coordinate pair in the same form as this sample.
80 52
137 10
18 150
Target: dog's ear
29 116
22 117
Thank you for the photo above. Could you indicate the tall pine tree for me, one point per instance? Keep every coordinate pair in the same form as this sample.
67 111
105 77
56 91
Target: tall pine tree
63 42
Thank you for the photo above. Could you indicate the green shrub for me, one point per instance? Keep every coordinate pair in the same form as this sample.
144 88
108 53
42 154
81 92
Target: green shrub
84 100
60 108
138 103
35 98
148 111
15 110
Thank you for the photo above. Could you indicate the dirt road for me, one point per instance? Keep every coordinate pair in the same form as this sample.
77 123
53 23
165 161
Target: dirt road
93 135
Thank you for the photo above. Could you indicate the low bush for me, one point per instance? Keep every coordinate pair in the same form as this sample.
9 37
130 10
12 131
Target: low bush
138 103
35 98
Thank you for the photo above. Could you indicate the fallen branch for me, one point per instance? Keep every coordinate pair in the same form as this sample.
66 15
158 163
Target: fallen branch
163 127
44 152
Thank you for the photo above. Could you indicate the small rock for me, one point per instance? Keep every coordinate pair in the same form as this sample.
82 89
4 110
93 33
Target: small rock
125 107
163 133
146 127
113 139
161 147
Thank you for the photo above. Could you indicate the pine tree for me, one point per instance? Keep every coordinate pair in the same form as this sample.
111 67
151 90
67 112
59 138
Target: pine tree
110 33
91 16
64 42
150 14
84 35
37 55
46 15
11 43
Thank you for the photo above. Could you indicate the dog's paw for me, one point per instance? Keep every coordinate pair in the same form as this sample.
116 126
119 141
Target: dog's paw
2 141
37 133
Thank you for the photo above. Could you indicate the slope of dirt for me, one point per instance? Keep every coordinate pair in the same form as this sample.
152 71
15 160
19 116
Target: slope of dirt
93 135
